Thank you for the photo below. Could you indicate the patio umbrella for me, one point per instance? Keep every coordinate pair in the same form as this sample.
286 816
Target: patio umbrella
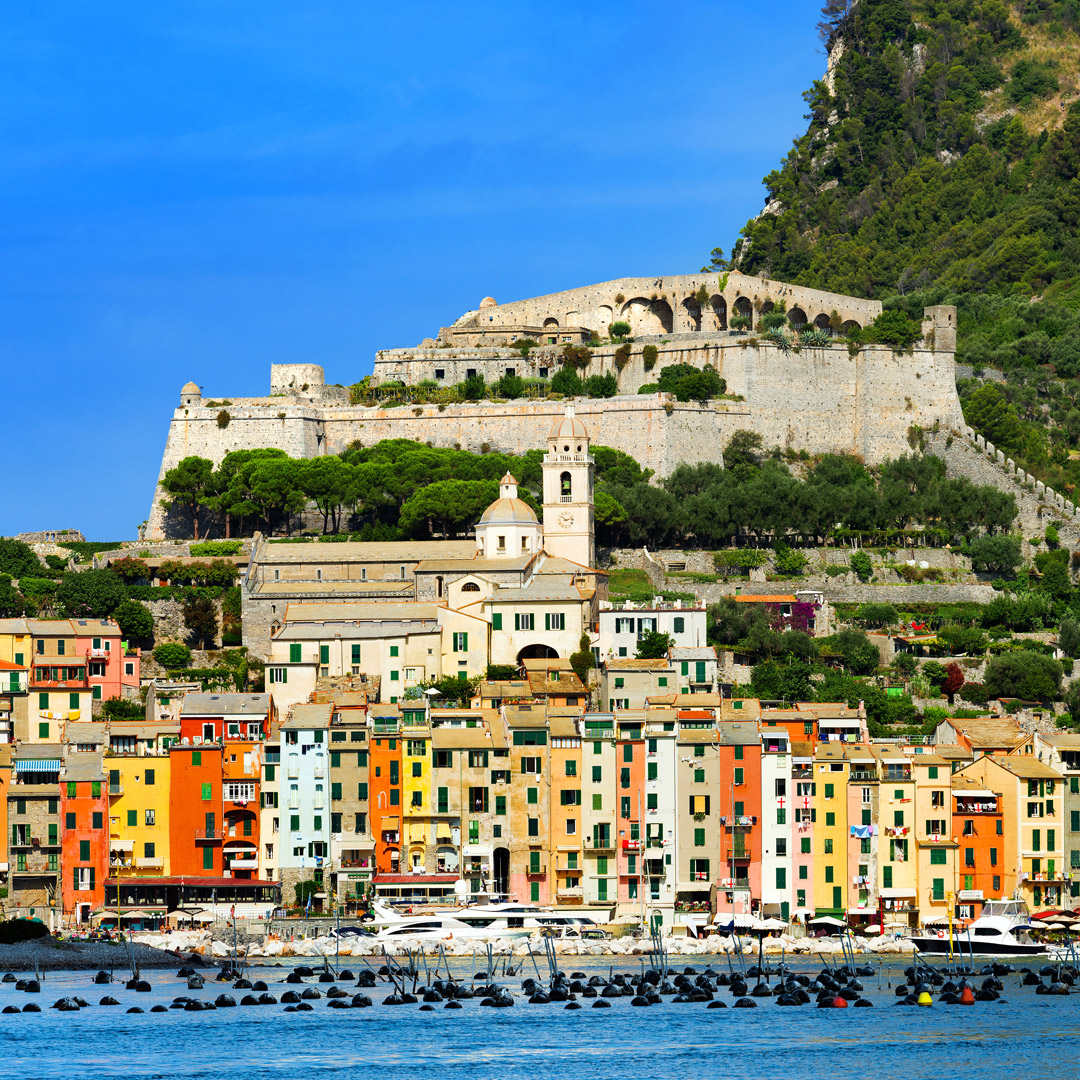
935 920
773 924
872 929
1075 926
827 920
898 922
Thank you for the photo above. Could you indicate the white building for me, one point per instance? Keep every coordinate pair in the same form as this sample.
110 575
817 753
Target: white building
777 815
621 628
304 800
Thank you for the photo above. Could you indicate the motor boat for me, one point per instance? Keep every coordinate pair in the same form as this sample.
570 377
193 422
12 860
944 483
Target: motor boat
1000 930
477 922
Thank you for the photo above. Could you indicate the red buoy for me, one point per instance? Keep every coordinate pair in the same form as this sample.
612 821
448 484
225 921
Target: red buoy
967 996
839 1002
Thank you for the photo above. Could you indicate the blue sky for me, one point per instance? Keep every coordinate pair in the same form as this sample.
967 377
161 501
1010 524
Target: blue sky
198 190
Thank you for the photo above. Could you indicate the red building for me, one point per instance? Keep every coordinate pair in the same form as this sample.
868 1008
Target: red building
196 810
84 823
215 717
111 667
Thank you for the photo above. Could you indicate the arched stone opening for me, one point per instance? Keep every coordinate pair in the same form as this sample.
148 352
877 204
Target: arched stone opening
537 652
822 322
566 487
766 307
796 317
744 309
850 325
470 586
691 310
501 870
718 306
551 322
605 315
648 316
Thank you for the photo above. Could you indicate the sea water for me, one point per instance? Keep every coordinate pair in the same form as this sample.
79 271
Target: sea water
1030 1034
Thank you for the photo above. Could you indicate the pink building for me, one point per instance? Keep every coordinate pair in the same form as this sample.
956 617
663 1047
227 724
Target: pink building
113 669
802 838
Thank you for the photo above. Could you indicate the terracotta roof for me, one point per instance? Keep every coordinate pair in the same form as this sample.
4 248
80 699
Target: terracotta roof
7 666
631 664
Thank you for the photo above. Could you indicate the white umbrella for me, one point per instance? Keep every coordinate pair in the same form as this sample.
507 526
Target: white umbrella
935 920
773 924
873 929
897 922
827 920
1075 926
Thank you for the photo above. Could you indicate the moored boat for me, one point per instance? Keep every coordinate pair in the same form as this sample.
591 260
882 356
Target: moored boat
1001 930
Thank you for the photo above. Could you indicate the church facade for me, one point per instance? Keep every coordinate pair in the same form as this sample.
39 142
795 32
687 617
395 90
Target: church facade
394 615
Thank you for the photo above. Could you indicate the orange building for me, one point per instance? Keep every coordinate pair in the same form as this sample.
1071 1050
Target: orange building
739 749
984 835
196 810
84 823
384 795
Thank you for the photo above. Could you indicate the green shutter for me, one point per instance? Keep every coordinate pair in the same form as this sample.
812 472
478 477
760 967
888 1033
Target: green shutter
356 654
206 793
208 857
496 621
324 654
294 653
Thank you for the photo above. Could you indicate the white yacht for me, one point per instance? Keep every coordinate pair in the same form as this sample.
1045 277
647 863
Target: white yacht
479 922
1001 930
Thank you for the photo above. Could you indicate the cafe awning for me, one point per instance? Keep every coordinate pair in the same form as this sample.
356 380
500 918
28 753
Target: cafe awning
37 765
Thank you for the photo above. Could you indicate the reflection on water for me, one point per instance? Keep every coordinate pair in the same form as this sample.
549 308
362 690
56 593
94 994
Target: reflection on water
529 1042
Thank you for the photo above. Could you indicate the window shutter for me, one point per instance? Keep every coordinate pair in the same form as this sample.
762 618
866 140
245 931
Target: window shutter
547 620
294 653
496 621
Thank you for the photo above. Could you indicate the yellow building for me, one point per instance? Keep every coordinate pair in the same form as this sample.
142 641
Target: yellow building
139 783
897 864
15 641
1033 801
831 771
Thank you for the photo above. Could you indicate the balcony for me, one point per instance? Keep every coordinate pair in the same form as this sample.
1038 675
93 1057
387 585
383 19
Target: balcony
599 843
571 892
802 772
150 862
865 775
250 863
631 845
537 869
208 836
738 854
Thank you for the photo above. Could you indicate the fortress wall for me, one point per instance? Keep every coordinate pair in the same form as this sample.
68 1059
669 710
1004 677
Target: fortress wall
640 426
595 306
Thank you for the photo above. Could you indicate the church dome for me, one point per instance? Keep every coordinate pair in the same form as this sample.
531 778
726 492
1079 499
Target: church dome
488 301
568 427
509 511
190 388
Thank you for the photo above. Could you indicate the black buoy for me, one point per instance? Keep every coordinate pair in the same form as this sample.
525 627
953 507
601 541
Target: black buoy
225 1001
133 1009
599 1003
457 1005
745 1003
716 1005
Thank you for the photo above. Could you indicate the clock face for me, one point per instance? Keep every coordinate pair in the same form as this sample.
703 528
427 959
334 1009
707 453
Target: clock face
566 519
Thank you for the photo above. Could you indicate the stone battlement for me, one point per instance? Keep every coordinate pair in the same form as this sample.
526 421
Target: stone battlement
683 303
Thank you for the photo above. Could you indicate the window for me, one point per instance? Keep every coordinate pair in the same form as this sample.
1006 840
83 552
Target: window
828 873
69 821
132 818
523 622
461 641
828 847
969 856
830 819
598 802
206 792
554 620
98 819
597 774
937 857
738 777
699 838
571 767
43 730
781 878
294 653
939 888
148 817
679 624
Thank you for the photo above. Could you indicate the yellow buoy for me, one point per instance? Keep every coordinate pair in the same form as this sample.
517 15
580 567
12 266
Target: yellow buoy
925 999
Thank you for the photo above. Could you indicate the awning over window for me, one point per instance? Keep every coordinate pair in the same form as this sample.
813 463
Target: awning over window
38 765
390 824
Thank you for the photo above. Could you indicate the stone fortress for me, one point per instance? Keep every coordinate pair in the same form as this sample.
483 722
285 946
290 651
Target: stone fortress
820 398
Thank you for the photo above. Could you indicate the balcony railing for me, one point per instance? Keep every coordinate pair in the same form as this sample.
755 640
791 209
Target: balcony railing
149 862
573 892
599 843
802 772
864 774
536 869
738 853
210 836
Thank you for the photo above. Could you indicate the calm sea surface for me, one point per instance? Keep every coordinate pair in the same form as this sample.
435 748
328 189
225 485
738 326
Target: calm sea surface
1031 1034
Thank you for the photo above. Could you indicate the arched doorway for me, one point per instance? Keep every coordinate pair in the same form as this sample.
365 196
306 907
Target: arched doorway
500 867
719 311
850 325
648 316
822 323
745 310
796 317
537 652
692 313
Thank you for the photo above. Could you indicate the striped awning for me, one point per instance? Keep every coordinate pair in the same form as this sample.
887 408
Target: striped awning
37 765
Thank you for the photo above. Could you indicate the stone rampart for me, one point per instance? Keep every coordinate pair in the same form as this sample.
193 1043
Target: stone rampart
657 432
661 305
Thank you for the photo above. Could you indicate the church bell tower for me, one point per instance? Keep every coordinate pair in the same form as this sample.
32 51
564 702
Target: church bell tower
569 522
